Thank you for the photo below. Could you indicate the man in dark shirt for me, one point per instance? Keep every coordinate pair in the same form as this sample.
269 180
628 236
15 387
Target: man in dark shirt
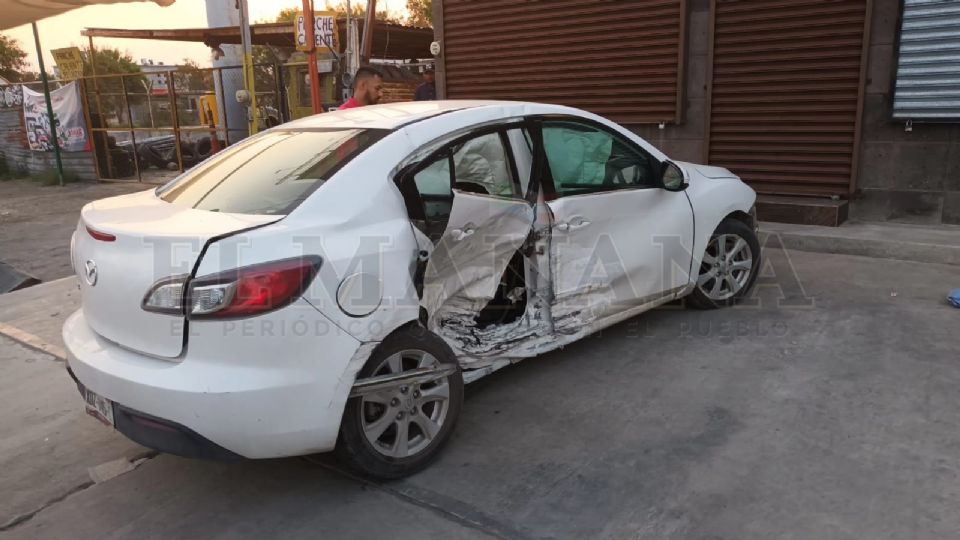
426 91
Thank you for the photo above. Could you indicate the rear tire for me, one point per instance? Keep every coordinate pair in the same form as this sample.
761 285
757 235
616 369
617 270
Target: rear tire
729 266
372 441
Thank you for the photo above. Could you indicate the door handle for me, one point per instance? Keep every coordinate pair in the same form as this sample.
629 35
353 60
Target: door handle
576 223
460 234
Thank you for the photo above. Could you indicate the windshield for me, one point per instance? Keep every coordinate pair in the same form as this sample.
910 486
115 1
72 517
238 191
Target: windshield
270 173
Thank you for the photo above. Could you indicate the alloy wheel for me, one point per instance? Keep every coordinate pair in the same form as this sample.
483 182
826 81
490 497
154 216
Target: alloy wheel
403 421
726 267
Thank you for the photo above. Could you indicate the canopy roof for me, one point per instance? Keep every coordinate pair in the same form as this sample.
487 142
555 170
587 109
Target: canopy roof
391 41
17 12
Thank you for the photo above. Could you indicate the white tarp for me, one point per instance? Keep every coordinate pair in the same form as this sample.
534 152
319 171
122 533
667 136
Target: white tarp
17 12
68 112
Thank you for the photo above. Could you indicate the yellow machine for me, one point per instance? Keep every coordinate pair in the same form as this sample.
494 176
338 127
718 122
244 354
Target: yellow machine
207 110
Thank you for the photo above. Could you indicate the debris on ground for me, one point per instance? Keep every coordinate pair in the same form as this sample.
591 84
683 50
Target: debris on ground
954 298
112 469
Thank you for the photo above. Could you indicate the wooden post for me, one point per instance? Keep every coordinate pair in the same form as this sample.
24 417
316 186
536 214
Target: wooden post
175 113
103 120
85 105
133 135
368 23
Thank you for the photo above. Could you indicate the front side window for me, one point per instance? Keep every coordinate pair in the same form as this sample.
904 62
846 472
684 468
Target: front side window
587 159
269 174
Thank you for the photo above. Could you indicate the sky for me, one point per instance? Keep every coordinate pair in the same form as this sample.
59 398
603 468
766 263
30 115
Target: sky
64 30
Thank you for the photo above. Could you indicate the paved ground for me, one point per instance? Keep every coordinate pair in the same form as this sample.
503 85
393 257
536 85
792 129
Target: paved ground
918 243
36 222
832 420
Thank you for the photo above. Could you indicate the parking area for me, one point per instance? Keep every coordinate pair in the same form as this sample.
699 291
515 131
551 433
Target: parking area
36 222
828 410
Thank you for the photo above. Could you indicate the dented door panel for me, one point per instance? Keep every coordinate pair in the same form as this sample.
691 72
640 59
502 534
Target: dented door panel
613 251
464 269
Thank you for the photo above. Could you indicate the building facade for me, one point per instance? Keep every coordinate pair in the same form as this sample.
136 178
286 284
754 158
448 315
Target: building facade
828 108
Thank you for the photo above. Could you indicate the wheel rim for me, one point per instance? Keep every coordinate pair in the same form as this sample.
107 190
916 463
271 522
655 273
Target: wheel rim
403 421
726 267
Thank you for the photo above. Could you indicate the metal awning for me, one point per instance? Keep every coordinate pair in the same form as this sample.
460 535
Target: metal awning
18 12
391 41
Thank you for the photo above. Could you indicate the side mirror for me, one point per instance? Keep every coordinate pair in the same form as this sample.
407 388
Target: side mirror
671 177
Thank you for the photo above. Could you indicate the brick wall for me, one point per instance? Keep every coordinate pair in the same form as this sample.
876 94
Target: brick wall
13 148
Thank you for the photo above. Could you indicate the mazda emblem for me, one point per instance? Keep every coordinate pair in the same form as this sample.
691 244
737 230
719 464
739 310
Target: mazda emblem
90 272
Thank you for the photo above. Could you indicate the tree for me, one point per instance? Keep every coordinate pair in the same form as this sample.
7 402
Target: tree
13 59
191 78
287 15
109 60
420 13
358 9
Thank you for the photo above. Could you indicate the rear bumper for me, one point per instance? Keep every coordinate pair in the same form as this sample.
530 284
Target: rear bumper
163 435
230 399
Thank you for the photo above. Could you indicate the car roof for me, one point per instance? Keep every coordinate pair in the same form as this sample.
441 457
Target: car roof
395 115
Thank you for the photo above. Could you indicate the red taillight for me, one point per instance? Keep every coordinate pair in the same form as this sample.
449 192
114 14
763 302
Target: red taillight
251 290
102 236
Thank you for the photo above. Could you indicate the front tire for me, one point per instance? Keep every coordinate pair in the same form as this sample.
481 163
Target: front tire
729 267
398 432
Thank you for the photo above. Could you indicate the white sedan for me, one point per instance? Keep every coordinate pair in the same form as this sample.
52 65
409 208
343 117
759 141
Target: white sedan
332 283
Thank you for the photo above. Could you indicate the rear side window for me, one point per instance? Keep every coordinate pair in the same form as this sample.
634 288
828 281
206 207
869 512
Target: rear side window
271 173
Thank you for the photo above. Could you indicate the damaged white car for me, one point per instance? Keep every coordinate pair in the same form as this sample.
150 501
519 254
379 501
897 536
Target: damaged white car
332 283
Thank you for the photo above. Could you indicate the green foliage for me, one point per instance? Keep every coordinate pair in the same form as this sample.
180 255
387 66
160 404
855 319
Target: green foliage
287 14
420 13
359 9
191 78
109 60
13 59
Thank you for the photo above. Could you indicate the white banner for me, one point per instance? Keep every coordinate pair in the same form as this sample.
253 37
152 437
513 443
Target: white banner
68 111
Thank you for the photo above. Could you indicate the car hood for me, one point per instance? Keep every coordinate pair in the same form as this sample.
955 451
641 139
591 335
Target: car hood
707 171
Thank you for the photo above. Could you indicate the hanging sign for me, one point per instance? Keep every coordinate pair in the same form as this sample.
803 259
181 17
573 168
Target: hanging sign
69 62
68 112
324 31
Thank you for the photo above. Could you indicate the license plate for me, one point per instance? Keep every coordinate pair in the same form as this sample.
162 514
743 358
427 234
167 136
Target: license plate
99 407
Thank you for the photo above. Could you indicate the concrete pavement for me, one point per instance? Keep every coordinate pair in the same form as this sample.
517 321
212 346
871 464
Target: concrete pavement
827 411
918 243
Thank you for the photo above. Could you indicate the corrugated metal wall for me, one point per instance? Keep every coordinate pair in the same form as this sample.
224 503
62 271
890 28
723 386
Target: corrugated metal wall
786 82
615 58
928 72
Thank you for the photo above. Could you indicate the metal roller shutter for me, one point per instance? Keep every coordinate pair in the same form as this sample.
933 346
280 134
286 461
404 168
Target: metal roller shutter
786 91
928 71
616 59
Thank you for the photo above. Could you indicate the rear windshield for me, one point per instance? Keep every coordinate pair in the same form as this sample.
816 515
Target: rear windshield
270 173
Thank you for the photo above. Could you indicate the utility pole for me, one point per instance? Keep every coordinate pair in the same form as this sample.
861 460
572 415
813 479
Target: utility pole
249 80
46 97
309 25
368 23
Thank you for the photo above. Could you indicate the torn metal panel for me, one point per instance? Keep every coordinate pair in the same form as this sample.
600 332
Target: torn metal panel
464 269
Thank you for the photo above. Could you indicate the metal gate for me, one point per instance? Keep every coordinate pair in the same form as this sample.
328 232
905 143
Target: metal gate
151 126
786 92
617 59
